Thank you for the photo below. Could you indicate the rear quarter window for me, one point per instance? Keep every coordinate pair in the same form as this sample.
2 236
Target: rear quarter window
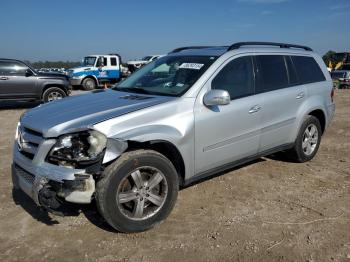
307 69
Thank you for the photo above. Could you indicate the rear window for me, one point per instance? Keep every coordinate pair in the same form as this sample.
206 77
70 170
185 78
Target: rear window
272 73
307 69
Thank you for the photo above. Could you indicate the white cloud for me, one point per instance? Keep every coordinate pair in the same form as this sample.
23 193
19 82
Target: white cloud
340 6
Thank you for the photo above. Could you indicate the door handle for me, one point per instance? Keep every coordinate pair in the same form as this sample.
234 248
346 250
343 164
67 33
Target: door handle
254 109
4 78
300 95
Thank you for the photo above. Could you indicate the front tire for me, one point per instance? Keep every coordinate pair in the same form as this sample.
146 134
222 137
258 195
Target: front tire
52 94
308 140
89 84
137 191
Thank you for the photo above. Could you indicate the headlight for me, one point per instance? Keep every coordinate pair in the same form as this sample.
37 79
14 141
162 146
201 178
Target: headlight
77 77
78 149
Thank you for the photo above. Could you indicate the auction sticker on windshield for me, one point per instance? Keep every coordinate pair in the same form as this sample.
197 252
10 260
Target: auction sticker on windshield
191 66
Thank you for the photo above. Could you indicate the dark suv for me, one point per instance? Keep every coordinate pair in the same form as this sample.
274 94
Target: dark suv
19 81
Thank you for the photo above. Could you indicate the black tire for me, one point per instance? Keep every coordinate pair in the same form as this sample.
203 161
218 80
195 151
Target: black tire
53 93
115 175
297 153
89 84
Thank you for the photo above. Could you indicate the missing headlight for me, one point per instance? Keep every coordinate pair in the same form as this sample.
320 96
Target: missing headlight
78 149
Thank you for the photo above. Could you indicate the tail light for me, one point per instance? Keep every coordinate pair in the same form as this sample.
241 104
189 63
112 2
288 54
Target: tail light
332 94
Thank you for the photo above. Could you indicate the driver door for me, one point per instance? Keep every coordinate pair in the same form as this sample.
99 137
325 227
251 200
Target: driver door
228 133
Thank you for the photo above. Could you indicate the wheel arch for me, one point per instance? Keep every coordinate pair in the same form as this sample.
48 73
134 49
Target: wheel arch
91 77
320 115
49 85
166 148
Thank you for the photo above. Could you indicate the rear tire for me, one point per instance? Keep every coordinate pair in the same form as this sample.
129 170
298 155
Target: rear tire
52 94
308 140
137 191
89 84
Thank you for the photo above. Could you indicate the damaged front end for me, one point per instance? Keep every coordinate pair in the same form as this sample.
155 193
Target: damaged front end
63 169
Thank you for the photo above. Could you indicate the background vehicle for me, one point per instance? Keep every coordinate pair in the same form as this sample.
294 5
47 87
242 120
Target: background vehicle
97 70
337 60
19 81
341 76
136 64
51 70
188 115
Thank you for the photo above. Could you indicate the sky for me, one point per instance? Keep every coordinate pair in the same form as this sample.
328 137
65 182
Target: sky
69 30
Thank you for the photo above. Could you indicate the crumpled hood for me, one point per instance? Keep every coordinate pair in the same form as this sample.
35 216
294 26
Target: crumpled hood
78 112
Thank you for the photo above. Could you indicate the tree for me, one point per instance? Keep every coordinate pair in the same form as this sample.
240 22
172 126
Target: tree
55 64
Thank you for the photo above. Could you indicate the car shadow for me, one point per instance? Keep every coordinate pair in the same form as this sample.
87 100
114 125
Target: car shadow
91 212
67 209
17 105
29 206
281 157
223 172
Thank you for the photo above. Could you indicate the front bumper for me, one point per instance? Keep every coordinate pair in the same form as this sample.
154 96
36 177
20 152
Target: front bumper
75 81
32 175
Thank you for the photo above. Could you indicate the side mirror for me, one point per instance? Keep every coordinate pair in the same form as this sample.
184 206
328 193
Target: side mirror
28 73
216 97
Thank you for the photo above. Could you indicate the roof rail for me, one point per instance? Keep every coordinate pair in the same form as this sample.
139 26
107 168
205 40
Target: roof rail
281 45
176 50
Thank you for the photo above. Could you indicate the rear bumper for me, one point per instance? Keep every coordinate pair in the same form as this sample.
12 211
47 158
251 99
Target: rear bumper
330 113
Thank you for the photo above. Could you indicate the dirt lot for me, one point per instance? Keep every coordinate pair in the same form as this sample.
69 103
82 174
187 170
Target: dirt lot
269 210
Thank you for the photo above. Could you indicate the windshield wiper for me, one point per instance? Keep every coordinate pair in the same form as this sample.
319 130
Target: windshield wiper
133 90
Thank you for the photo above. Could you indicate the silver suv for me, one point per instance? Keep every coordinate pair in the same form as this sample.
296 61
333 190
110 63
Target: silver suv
183 117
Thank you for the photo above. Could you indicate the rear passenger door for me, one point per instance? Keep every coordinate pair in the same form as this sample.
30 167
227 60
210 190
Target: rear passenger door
281 95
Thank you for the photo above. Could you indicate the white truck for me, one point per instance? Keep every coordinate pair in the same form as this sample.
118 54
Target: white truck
136 64
97 70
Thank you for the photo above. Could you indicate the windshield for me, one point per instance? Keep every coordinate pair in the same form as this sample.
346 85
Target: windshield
169 75
89 61
146 58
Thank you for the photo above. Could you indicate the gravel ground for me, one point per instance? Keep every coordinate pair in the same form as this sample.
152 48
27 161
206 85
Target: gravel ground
268 210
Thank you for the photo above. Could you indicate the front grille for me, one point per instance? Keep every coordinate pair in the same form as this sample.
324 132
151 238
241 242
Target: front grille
24 174
28 141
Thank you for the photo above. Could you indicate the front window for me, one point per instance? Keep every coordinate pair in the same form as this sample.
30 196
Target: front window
12 68
169 75
89 61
